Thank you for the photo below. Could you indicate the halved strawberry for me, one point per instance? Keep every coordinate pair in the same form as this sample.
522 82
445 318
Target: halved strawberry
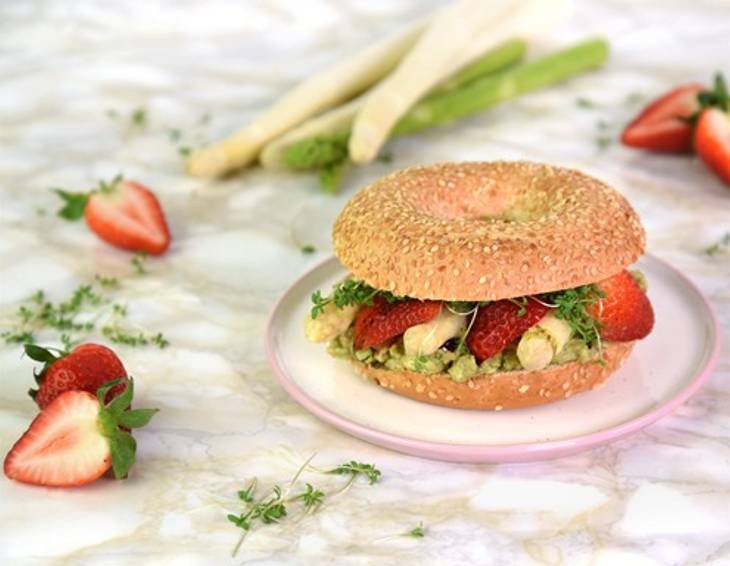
500 323
665 125
378 323
86 368
128 215
712 141
624 313
76 439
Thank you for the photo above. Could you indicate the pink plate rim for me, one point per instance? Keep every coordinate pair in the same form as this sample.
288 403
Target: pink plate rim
474 453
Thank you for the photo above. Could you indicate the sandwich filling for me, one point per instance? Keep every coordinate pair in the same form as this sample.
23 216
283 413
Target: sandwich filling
465 340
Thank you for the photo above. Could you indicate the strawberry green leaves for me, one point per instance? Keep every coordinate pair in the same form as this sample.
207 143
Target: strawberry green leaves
115 414
74 204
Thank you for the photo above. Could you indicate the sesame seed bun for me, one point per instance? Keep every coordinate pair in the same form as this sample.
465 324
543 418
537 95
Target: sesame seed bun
504 390
486 231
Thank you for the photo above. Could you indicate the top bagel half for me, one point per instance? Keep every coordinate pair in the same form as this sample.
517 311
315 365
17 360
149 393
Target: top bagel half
486 231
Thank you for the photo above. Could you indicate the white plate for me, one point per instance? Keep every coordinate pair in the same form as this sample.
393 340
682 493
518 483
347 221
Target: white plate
662 372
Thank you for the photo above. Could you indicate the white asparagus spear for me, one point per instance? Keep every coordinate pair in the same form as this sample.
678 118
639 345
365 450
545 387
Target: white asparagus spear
328 88
458 35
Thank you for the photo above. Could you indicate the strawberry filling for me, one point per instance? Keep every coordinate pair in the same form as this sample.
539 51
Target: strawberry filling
493 335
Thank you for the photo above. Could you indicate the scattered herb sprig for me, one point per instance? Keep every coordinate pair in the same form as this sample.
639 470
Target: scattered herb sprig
350 292
77 317
416 532
273 507
722 245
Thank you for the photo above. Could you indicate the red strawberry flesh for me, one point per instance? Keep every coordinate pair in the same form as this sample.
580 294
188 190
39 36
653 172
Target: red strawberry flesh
712 141
664 125
625 313
129 216
382 321
500 323
63 446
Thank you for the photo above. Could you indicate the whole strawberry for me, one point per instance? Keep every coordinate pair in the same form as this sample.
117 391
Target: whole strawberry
86 368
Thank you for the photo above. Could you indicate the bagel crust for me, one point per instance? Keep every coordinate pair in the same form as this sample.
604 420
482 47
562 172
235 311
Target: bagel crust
505 390
486 231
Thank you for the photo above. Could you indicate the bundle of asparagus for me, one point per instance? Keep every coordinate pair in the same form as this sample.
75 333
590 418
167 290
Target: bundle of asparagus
311 128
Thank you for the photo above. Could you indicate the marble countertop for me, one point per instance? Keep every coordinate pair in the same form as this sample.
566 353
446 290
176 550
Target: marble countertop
72 73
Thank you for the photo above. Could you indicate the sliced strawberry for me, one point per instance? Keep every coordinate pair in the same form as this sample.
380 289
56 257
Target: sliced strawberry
86 368
712 141
665 125
500 323
128 215
625 313
378 323
76 439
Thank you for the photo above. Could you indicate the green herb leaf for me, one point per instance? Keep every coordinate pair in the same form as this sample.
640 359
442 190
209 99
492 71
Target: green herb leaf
138 262
350 292
246 495
416 532
74 204
311 497
138 117
354 469
308 249
722 245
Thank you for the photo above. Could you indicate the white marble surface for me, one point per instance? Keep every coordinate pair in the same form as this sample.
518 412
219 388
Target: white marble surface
658 497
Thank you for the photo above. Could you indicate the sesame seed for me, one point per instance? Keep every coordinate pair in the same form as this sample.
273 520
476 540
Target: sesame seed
432 395
524 389
498 407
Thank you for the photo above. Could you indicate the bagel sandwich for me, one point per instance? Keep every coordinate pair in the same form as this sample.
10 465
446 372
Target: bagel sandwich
490 285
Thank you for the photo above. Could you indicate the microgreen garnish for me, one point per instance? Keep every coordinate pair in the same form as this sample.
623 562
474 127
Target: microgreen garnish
308 249
274 506
416 532
350 292
75 318
572 306
138 262
584 103
138 117
311 498
184 151
722 245
385 157
521 303
357 468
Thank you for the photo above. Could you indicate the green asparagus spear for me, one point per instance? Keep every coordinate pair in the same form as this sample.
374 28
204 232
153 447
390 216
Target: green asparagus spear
490 91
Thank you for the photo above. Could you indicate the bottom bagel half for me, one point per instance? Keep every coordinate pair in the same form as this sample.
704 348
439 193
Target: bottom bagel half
505 390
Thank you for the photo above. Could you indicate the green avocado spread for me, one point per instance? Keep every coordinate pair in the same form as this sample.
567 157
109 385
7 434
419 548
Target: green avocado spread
458 364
